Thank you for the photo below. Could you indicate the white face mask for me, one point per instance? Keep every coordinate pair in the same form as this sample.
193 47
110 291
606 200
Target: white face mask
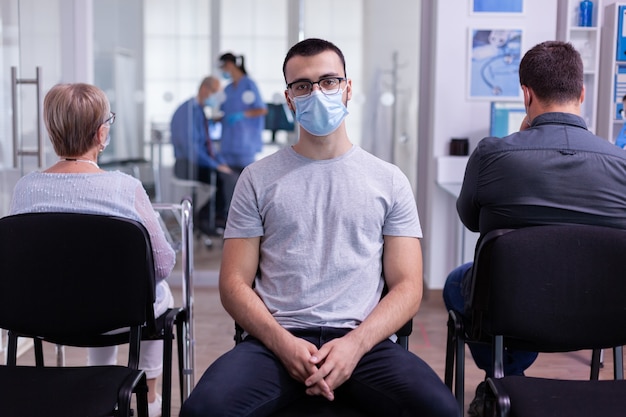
110 121
106 142
320 114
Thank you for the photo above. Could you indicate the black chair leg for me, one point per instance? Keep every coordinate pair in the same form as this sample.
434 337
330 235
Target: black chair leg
450 350
459 382
167 359
455 358
181 323
595 364
167 378
38 344
141 394
618 362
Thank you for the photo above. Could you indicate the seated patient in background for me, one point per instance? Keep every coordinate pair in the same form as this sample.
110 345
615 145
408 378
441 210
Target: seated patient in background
310 231
552 171
197 157
78 119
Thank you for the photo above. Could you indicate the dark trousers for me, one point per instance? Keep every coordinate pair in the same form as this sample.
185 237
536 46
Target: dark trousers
224 183
250 380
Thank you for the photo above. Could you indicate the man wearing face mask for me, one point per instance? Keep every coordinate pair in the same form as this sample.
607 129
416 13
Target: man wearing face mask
302 269
196 155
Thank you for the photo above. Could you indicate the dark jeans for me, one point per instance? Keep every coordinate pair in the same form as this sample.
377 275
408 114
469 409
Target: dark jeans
515 361
250 380
224 183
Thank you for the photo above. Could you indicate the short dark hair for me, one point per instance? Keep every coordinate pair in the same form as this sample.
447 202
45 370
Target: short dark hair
310 47
237 60
554 71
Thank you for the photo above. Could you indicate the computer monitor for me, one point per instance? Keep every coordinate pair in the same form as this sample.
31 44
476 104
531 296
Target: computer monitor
279 117
506 117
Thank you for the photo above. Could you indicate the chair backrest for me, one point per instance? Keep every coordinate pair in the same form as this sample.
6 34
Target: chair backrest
551 288
68 276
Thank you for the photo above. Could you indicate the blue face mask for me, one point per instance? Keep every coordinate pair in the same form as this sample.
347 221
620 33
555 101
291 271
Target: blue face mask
226 75
319 114
210 101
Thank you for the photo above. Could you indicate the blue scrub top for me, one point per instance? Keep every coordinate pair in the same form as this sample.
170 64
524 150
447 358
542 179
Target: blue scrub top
242 140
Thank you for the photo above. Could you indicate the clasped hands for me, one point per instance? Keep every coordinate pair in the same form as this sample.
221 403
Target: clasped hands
321 370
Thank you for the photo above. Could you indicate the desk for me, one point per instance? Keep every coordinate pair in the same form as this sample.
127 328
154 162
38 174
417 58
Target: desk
451 170
450 174
466 241
454 189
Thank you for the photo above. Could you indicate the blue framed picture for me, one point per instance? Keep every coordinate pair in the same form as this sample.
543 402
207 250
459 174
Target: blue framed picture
497 6
494 57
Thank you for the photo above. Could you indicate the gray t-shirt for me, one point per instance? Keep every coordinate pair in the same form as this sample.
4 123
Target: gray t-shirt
321 224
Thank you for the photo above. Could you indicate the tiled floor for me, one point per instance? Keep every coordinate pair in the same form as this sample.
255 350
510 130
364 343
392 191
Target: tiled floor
214 332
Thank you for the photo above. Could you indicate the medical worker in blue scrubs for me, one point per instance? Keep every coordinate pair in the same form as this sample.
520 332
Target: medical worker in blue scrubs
244 114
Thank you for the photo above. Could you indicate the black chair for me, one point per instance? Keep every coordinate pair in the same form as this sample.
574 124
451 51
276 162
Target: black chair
546 260
69 278
174 319
320 407
554 289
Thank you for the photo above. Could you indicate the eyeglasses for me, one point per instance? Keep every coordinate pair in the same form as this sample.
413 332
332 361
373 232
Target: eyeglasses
328 85
110 120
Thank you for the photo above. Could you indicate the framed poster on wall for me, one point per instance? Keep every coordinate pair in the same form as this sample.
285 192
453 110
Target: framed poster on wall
494 56
497 6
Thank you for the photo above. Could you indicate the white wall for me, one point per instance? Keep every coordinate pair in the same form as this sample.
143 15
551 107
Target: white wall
452 114
384 75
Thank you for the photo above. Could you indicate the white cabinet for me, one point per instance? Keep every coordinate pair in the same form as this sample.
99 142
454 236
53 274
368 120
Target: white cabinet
612 72
586 39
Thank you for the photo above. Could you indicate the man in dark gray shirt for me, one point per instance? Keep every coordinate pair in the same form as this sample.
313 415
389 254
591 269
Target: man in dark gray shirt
552 171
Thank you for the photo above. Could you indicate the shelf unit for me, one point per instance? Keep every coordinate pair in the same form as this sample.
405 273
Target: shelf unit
612 74
586 40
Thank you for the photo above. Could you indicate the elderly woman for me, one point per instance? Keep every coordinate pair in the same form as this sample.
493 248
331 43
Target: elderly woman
78 120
